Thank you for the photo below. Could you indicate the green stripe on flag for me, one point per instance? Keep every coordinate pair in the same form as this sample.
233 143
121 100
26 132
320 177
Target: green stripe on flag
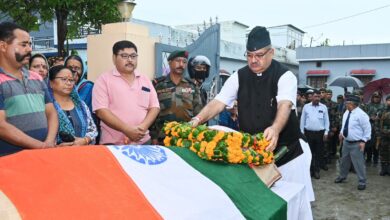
255 200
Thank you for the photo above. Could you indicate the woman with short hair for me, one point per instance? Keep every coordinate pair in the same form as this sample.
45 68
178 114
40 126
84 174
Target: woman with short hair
73 114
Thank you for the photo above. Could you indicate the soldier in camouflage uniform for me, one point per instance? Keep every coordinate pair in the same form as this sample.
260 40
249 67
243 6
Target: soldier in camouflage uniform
362 105
334 122
384 147
179 97
374 111
340 109
323 99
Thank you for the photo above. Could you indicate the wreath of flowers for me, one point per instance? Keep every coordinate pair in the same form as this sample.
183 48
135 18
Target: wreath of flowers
214 145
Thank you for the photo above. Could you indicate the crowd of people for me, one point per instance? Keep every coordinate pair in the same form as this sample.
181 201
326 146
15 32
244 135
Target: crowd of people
323 122
46 104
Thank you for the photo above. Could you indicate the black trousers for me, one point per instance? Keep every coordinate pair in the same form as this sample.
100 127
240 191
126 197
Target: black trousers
316 143
370 150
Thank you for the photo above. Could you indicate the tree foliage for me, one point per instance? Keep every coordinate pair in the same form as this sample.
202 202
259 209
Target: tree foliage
71 15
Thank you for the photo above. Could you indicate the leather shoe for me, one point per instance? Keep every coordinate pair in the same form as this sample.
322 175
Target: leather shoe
339 180
361 187
316 175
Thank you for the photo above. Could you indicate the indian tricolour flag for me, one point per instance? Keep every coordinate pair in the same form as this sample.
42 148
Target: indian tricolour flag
130 182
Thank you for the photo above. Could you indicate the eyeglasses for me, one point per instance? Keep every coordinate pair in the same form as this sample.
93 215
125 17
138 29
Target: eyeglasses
126 56
257 56
66 80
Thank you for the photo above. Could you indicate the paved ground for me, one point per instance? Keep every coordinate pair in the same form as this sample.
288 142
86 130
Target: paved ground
344 201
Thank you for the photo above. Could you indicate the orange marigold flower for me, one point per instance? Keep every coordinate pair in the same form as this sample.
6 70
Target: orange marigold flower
200 136
167 141
179 142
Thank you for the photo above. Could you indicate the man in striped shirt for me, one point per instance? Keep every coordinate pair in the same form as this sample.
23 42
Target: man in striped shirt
28 119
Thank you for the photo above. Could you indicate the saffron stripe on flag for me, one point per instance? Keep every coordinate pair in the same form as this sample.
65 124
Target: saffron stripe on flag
242 185
71 183
172 186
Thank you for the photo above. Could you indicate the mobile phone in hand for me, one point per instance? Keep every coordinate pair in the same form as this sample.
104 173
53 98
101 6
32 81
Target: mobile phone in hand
66 137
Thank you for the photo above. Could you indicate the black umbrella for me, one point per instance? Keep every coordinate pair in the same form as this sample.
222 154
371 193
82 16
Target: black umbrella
347 81
304 88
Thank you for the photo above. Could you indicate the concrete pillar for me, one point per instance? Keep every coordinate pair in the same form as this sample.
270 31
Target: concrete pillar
99 48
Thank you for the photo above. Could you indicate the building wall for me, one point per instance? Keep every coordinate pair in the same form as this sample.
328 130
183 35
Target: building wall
100 48
341 60
279 36
286 36
231 65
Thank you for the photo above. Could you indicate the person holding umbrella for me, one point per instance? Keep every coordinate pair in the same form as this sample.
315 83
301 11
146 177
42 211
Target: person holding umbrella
374 111
384 147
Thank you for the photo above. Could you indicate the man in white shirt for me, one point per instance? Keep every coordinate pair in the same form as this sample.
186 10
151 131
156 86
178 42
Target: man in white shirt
315 126
355 132
266 94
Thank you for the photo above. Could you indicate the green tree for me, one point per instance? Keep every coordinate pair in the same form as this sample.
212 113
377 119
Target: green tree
71 15
326 42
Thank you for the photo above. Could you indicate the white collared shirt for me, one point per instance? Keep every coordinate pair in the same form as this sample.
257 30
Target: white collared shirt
359 127
287 89
315 118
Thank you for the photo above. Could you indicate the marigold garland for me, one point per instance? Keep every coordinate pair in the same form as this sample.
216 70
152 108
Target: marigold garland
231 147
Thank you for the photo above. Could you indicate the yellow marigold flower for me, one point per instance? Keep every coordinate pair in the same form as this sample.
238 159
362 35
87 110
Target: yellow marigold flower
167 141
192 148
210 149
190 136
219 136
203 146
179 142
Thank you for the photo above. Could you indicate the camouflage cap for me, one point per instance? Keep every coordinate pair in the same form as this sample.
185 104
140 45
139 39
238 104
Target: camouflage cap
329 91
322 89
357 92
178 53
340 97
388 98
376 94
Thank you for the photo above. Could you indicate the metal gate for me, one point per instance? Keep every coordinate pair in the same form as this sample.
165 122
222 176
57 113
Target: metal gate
207 44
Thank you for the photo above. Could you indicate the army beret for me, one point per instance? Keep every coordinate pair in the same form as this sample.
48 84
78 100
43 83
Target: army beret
358 92
352 98
316 91
258 38
178 53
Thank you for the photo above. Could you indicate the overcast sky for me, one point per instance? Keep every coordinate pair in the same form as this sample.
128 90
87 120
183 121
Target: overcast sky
366 28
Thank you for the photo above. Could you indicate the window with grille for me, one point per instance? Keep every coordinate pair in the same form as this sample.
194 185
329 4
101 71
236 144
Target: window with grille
364 79
317 81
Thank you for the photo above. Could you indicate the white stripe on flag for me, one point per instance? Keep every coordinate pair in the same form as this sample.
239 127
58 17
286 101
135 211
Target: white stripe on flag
173 187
